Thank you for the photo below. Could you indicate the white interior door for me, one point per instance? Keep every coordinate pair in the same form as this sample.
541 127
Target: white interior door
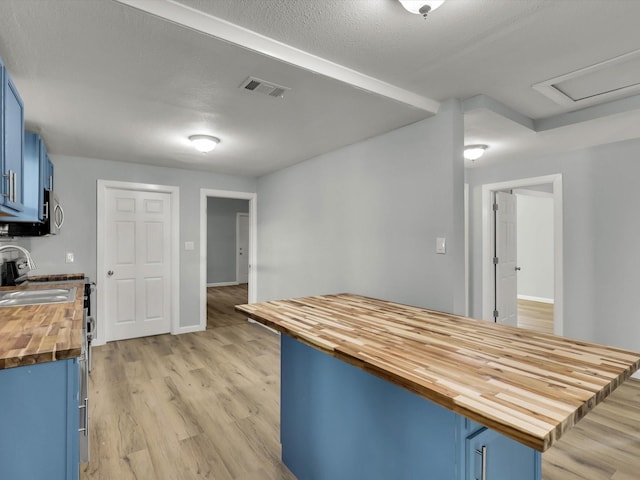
506 306
242 249
137 261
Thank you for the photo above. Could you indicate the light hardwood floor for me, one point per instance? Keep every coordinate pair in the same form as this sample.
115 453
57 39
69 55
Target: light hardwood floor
199 405
536 316
206 405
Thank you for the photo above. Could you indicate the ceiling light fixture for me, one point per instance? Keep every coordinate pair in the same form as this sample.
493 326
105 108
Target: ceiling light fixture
204 143
474 152
421 7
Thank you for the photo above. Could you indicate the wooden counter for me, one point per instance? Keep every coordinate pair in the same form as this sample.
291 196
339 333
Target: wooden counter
32 334
528 386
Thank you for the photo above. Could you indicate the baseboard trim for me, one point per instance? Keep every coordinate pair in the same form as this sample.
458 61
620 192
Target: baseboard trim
222 284
188 329
535 299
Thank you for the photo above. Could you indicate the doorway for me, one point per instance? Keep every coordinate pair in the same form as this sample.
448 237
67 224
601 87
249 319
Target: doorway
249 250
490 288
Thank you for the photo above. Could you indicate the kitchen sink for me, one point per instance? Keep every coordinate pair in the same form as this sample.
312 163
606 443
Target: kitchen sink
14 298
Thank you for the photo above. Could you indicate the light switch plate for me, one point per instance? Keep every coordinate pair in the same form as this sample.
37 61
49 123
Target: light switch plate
189 245
68 258
441 245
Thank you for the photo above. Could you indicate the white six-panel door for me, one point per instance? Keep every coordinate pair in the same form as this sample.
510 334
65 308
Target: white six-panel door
137 262
506 254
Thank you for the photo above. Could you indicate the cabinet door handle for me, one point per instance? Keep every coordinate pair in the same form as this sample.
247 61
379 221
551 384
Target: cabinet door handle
483 459
85 428
10 186
15 187
7 193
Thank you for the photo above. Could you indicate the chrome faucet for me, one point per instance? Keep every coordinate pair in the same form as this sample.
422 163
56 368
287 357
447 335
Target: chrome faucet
30 263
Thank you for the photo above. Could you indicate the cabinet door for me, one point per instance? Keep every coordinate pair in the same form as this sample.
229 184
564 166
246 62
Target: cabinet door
13 146
492 456
32 190
46 169
39 419
51 176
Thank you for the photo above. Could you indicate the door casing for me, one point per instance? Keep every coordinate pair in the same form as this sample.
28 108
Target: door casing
103 185
488 289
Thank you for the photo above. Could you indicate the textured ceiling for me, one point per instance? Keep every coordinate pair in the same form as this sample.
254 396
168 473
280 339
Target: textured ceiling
101 79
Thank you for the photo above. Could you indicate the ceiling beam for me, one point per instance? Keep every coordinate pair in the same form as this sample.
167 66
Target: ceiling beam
175 12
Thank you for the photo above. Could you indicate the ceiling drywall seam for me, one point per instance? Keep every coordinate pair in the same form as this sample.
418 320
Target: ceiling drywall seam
202 22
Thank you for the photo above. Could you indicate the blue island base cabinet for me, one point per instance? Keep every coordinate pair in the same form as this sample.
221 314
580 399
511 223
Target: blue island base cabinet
39 421
339 422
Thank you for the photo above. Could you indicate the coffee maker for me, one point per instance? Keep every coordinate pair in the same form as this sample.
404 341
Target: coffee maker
9 273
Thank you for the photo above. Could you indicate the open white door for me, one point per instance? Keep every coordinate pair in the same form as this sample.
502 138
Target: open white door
242 247
505 260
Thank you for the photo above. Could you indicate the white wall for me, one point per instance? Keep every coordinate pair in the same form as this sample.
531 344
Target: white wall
76 181
535 247
601 232
364 219
221 238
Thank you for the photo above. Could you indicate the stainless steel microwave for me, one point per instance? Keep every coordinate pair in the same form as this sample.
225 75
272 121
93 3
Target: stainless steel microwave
53 214
51 224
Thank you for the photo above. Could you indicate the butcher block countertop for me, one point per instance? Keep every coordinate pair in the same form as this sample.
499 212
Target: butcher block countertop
529 386
32 334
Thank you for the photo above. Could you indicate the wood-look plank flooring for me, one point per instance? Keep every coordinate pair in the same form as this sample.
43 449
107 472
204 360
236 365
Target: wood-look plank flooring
605 445
206 405
220 303
199 405
535 316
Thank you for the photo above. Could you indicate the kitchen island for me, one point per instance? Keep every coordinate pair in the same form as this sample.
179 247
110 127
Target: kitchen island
497 396
40 349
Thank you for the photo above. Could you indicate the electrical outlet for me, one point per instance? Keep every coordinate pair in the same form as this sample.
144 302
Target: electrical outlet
69 257
189 246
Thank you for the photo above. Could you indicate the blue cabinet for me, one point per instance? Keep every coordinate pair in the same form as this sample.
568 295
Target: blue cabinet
12 145
39 417
490 455
47 171
339 422
38 177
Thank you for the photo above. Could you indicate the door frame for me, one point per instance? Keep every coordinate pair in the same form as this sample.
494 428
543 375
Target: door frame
253 244
238 215
174 192
488 289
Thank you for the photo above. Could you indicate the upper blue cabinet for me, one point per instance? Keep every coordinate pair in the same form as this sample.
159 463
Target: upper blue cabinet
38 177
34 153
12 146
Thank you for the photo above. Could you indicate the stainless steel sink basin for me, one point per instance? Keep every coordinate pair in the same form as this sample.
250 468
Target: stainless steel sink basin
14 298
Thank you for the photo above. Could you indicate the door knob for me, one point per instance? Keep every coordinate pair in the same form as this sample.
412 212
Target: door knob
110 272
518 269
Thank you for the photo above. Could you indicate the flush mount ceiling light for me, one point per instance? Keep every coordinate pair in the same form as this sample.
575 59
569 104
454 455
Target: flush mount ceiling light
421 7
204 143
474 152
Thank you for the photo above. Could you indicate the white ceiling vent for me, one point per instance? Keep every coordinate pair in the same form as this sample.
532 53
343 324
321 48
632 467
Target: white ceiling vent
614 78
266 88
